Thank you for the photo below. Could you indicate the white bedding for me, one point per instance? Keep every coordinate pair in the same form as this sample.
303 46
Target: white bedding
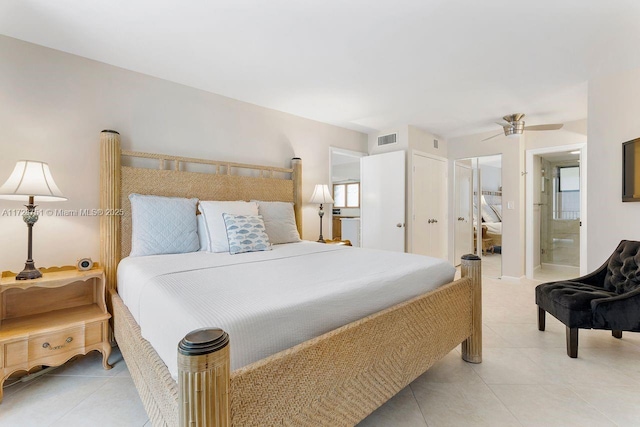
493 227
268 301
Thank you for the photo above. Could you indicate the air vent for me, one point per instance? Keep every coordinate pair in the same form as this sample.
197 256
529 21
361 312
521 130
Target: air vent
392 138
435 143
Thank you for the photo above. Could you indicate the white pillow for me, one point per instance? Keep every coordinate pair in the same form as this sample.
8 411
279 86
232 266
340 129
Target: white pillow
203 236
488 215
213 210
280 221
498 210
163 225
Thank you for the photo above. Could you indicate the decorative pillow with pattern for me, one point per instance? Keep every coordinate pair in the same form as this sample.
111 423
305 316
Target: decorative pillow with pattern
212 212
246 233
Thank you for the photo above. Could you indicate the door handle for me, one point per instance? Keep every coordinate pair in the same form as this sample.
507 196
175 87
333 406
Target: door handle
460 218
430 221
435 220
399 225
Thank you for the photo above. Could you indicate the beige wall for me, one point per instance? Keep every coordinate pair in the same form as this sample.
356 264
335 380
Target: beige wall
402 144
614 117
53 106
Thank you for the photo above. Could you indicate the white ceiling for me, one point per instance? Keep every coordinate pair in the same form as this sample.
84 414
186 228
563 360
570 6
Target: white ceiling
449 66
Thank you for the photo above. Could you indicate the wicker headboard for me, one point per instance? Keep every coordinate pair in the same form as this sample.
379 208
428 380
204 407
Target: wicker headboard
224 181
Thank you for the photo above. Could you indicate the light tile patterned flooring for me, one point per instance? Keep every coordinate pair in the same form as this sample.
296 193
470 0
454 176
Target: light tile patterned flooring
526 379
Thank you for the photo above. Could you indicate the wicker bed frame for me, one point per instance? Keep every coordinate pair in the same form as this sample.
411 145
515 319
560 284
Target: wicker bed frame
335 379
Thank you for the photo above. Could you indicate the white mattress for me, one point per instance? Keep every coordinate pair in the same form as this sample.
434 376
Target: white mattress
493 227
268 301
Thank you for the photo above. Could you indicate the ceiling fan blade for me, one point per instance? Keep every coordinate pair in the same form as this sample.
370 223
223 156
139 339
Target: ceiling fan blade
491 137
544 127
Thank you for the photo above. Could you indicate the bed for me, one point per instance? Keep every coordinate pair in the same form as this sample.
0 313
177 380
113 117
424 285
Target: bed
491 211
335 378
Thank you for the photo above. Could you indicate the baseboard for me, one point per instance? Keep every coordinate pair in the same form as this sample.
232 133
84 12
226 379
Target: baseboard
552 266
514 278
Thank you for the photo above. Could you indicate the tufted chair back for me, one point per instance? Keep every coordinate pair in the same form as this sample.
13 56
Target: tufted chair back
623 270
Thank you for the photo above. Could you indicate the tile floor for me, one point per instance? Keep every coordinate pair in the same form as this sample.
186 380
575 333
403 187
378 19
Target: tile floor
526 379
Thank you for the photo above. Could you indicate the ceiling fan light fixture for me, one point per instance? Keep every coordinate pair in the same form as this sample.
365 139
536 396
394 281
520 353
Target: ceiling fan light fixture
514 129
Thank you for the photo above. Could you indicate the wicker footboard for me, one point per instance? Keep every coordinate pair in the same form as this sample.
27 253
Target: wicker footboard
354 369
336 379
158 390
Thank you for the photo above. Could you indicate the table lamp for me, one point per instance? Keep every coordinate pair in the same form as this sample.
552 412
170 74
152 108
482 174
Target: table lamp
321 195
28 180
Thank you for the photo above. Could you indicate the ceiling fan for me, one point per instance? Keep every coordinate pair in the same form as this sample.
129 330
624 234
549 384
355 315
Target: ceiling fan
515 126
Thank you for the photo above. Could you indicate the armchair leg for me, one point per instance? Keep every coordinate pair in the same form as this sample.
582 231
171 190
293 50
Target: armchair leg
572 342
616 334
541 319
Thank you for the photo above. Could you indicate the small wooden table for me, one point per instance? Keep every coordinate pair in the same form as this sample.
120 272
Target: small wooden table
49 320
338 242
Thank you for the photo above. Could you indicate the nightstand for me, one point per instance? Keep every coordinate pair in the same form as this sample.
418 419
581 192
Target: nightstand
338 242
49 320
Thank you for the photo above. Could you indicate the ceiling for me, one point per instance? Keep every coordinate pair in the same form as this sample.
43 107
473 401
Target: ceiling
452 67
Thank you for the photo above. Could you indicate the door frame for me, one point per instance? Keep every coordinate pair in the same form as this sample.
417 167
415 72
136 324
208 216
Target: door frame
344 152
529 267
410 216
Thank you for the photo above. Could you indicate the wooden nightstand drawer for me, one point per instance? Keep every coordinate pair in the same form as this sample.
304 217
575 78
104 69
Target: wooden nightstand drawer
57 342
15 353
93 333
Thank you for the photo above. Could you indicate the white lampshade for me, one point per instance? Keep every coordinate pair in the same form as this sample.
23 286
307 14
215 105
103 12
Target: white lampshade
321 194
31 178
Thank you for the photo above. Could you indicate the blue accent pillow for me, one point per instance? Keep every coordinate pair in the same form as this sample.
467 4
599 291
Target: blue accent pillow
163 225
246 233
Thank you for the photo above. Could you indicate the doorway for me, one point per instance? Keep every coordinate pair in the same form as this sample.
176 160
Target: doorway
556 198
345 187
478 223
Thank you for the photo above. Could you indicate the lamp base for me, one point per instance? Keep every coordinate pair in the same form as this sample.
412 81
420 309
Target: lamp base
30 272
321 240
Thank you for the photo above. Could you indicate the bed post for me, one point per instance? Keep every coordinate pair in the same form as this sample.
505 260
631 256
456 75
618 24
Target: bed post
296 165
109 203
472 346
203 378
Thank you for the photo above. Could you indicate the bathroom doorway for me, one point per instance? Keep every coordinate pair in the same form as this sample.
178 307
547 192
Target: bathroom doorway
555 213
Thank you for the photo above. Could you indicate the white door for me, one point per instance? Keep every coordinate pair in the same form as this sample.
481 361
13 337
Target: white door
463 224
382 211
429 183
421 227
439 248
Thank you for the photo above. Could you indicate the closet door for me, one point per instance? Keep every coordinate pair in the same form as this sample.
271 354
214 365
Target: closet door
422 206
438 197
382 209
429 233
463 215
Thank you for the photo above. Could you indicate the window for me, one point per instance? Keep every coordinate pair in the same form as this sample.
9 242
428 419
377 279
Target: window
569 177
566 193
346 195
